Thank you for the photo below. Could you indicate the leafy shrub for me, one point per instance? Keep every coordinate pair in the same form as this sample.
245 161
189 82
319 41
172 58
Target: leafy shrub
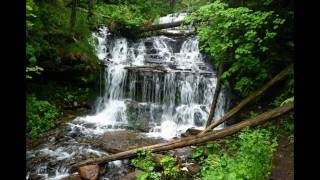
144 161
252 160
243 40
198 153
49 37
40 116
170 169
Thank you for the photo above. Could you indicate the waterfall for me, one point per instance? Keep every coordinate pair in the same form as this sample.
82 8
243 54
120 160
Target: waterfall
163 83
167 78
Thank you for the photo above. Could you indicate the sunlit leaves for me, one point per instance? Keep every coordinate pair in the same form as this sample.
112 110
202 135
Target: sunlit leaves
240 38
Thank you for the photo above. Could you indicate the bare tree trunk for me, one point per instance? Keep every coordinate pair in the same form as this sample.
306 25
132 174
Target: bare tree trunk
250 98
199 139
215 96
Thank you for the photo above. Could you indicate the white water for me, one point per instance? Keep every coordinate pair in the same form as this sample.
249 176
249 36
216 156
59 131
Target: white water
182 96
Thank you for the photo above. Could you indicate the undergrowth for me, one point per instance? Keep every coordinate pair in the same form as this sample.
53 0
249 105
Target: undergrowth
40 116
246 155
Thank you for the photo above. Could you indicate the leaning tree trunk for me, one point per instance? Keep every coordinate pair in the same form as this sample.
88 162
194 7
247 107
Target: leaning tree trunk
250 98
215 96
195 140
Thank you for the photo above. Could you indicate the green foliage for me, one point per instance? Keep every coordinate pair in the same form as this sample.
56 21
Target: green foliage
130 15
32 68
49 37
145 163
189 5
121 15
243 40
170 169
198 153
62 95
31 8
253 114
143 160
288 93
289 100
289 126
252 160
149 175
40 116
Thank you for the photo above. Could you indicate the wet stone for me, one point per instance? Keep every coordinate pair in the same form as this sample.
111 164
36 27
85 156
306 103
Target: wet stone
89 125
89 172
198 121
125 140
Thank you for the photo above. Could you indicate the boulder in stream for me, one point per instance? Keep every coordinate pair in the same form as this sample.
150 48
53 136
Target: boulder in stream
89 172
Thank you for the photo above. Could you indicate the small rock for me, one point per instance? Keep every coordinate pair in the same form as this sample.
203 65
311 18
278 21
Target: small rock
194 168
89 172
75 103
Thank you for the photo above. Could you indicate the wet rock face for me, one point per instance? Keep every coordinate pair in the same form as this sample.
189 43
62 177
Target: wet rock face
139 116
124 140
198 121
89 172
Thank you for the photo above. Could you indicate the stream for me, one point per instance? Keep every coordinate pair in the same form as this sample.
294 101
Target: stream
153 89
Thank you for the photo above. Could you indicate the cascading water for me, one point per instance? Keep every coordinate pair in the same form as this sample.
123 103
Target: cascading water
158 84
168 79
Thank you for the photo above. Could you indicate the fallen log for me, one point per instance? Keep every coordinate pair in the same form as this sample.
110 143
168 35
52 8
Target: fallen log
175 34
250 98
156 27
199 139
112 150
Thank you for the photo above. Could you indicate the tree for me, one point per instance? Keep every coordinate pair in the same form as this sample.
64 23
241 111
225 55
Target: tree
215 96
244 40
